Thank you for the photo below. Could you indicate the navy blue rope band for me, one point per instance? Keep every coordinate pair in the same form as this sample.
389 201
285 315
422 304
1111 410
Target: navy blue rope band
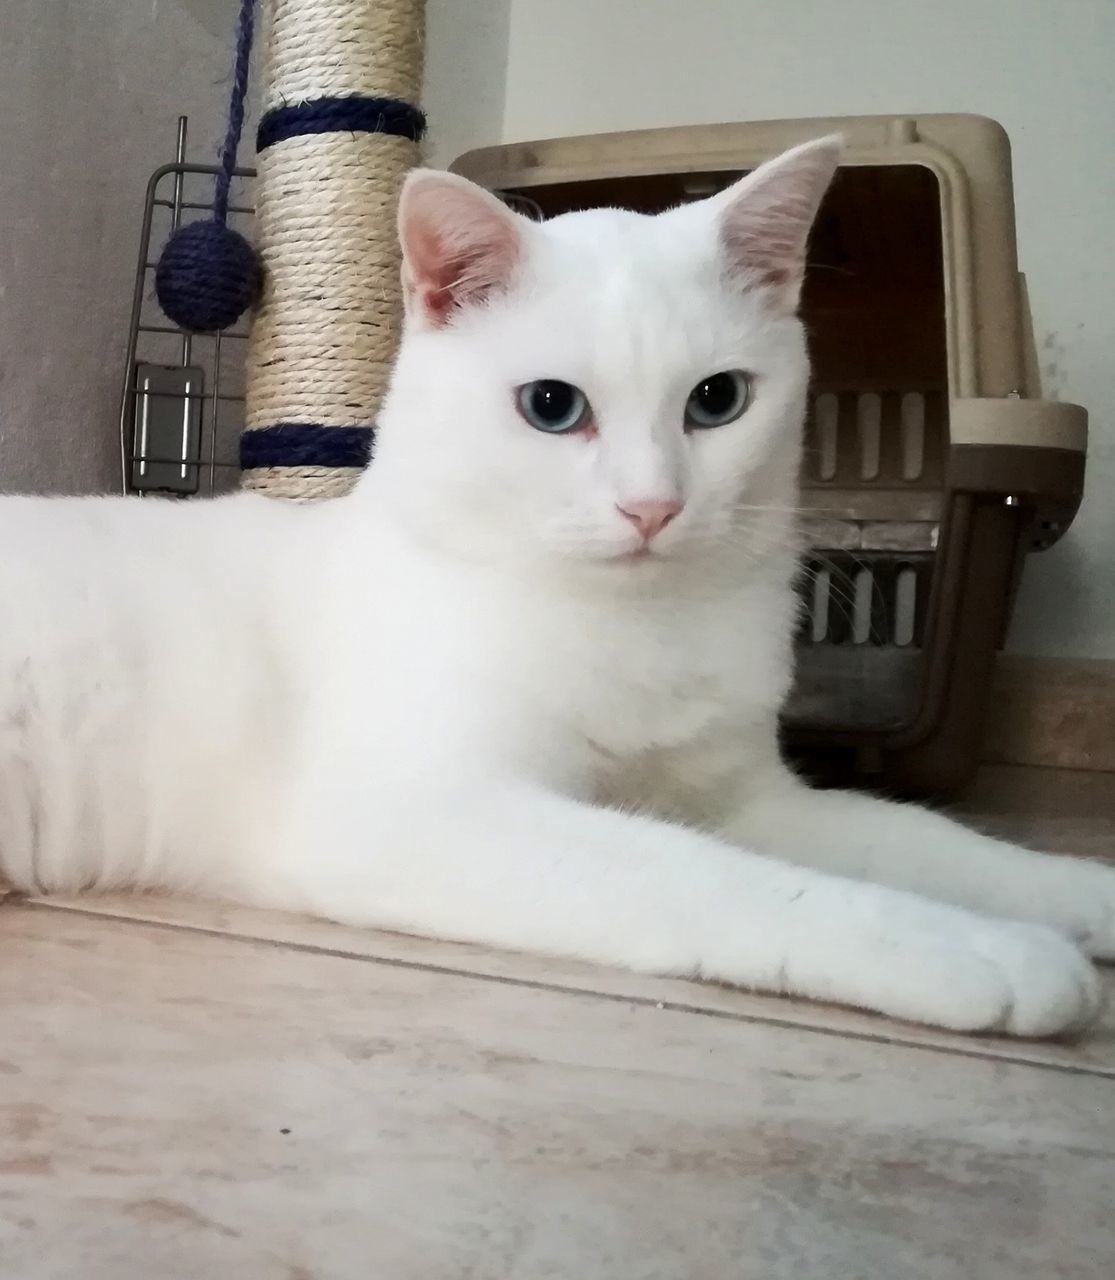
303 444
352 114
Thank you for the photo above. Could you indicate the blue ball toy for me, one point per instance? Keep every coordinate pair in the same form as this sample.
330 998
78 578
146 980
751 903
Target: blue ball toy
207 277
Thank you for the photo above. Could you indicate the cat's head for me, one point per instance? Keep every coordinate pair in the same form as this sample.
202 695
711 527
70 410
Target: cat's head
606 388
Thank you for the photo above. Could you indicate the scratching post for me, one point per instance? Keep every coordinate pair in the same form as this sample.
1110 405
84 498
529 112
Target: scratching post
338 132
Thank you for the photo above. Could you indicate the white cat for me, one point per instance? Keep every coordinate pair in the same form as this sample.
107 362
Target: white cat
521 687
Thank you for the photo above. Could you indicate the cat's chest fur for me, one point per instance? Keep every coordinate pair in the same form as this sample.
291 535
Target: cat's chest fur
635 677
616 687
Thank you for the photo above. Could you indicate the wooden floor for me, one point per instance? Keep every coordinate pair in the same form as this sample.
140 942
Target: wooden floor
189 1090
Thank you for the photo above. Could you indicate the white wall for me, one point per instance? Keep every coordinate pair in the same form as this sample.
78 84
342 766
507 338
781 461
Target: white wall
1045 70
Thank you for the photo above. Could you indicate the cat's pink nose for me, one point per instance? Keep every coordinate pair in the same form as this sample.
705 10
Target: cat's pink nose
650 518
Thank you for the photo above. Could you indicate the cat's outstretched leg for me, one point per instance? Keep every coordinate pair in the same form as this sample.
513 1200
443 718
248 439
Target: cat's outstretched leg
914 849
515 866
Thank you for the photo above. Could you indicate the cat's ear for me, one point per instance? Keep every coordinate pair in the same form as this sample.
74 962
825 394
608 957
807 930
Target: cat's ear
460 244
764 219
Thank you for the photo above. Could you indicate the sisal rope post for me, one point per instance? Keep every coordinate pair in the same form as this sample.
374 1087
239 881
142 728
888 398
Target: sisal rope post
338 132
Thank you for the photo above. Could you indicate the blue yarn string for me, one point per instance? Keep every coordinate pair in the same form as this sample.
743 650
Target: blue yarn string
244 28
352 113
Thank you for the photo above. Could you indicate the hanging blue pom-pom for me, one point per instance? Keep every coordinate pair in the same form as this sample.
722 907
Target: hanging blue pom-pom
207 277
208 274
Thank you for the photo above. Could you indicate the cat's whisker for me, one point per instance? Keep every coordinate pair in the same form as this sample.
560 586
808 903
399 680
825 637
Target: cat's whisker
795 510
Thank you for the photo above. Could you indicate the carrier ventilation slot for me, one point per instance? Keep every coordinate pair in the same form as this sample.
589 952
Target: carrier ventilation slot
871 437
878 601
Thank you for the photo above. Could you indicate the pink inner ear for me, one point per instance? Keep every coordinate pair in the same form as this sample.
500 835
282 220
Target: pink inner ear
460 245
766 218
768 243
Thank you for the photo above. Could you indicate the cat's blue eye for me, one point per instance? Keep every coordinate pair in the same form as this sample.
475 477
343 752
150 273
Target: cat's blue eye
553 406
718 399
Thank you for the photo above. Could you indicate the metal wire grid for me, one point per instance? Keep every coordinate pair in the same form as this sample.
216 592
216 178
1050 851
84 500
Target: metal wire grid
208 462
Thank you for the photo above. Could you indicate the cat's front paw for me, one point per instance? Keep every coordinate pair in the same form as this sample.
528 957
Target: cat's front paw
1048 985
984 975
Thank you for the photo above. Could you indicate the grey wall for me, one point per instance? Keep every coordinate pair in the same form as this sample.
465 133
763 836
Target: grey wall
89 94
466 74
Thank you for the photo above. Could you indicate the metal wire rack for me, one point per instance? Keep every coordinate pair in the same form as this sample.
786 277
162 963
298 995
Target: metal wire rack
182 399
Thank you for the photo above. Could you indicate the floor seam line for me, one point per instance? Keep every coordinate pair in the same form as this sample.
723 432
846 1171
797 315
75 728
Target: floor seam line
537 984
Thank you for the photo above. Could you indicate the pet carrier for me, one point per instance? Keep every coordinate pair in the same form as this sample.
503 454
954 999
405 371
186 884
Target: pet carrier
931 465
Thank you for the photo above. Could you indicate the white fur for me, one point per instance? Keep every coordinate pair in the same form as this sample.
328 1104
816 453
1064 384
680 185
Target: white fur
456 703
